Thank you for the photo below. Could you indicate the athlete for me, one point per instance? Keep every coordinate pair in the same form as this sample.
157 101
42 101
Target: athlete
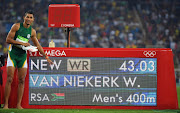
18 38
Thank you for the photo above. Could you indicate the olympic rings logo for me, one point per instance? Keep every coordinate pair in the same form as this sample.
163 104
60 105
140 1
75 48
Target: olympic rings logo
149 53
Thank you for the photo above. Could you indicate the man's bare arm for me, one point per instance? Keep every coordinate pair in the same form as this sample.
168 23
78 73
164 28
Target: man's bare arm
40 49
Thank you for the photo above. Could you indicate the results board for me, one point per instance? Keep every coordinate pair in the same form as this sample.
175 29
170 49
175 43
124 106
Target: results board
102 81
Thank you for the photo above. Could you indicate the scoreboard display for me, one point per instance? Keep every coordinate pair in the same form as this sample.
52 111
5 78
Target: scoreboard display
93 81
100 78
64 15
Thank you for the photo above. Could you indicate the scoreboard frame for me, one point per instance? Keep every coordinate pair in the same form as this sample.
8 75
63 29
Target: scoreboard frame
166 85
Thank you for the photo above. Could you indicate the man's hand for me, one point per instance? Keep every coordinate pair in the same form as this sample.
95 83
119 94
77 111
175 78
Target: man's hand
26 44
50 62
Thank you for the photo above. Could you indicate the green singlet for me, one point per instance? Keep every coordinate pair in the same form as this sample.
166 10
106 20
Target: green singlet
17 56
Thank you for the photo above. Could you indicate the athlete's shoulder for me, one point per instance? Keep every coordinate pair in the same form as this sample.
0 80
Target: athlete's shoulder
33 29
16 26
33 32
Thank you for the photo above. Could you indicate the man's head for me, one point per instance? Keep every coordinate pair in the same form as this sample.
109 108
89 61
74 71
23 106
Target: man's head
29 17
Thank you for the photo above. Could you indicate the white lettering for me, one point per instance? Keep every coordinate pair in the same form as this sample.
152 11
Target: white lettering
106 81
95 98
88 81
113 81
44 81
63 53
45 98
55 64
66 80
43 64
129 81
34 82
30 53
49 53
67 25
39 97
85 81
57 53
80 81
34 65
97 81
105 99
33 96
74 80
40 54
55 81
52 52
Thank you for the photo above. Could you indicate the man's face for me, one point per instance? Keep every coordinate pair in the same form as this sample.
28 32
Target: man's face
28 19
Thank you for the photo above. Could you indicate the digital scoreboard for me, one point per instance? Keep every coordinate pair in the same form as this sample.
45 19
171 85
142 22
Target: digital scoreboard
99 78
64 15
93 81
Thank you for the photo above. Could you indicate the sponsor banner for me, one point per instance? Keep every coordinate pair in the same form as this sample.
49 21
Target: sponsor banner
49 52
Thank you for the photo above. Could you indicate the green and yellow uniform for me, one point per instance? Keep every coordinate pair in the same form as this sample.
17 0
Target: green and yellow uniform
16 55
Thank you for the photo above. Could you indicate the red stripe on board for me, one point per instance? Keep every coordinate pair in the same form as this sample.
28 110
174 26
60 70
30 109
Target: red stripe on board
59 94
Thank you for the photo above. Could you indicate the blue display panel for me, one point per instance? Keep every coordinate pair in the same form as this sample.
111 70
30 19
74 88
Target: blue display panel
93 81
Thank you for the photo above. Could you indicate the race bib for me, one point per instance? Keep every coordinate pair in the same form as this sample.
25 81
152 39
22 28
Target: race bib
21 39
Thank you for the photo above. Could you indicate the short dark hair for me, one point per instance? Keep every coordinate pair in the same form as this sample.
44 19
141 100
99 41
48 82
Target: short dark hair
29 12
